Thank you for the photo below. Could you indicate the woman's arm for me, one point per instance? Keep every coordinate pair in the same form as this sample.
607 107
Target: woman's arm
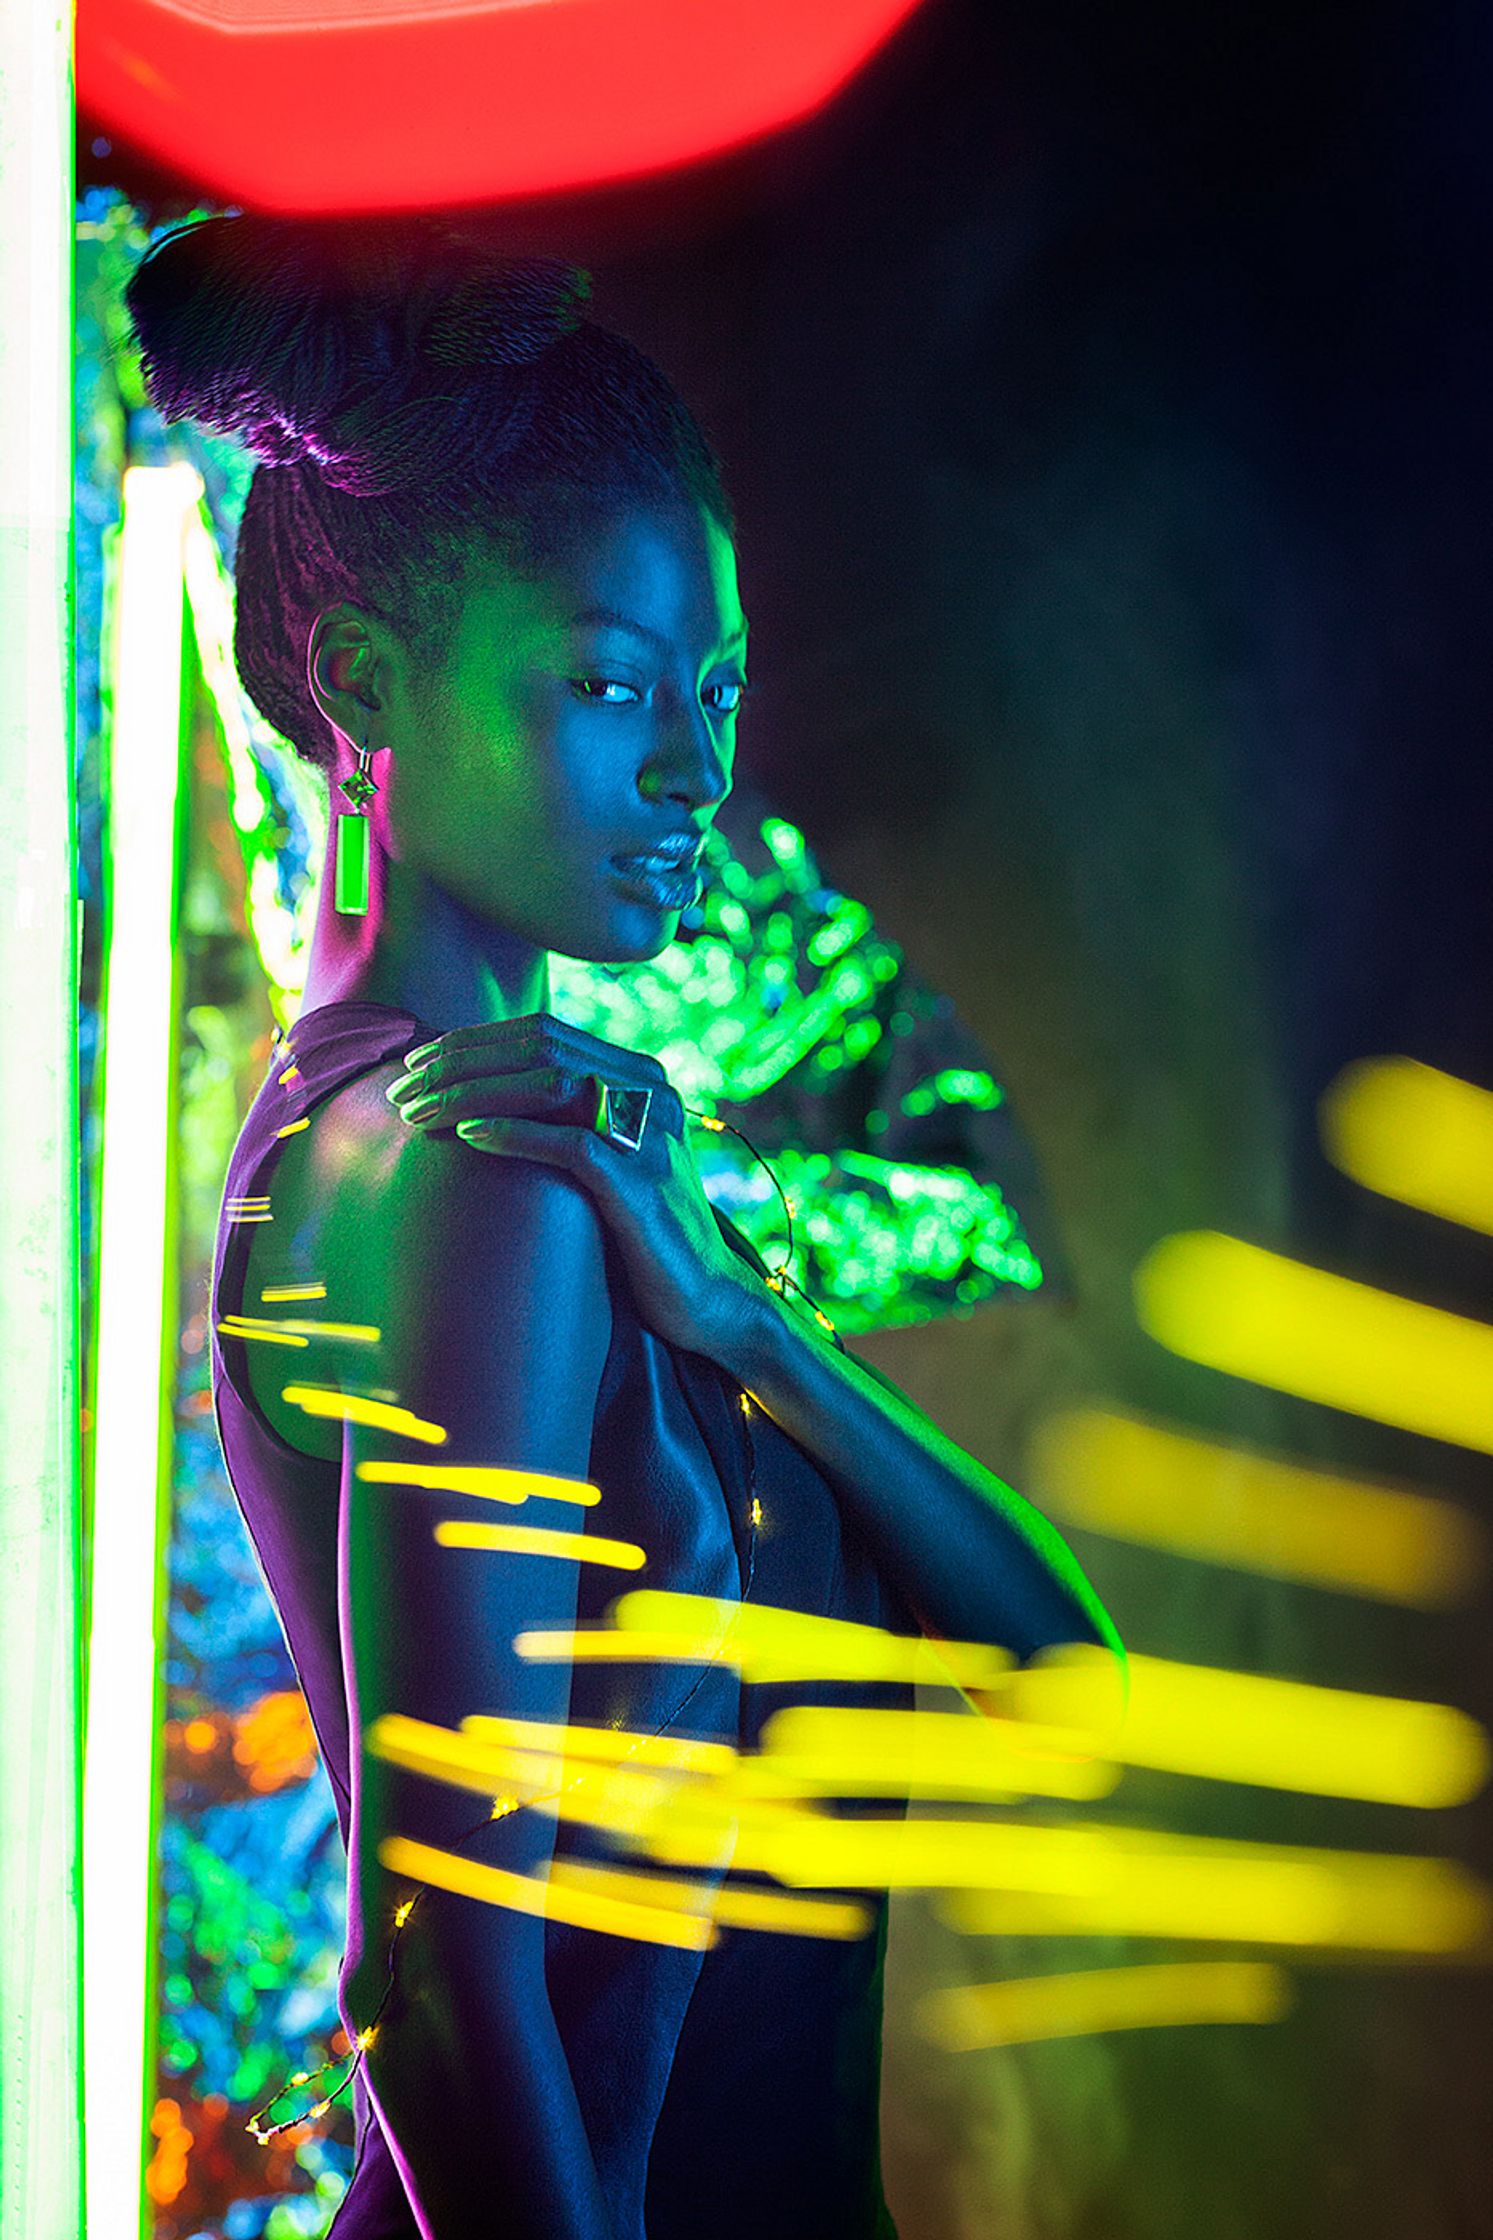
487 1282
973 1560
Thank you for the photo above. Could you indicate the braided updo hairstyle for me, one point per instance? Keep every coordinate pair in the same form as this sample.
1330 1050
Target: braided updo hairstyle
412 398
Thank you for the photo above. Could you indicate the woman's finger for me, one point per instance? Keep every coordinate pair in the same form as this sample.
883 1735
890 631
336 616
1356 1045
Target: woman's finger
530 1139
547 1093
524 1045
552 1094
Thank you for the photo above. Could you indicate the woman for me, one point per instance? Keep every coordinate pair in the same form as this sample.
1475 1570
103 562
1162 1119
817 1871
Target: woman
487 584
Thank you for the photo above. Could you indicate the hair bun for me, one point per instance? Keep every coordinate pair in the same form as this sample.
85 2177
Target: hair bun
508 316
310 340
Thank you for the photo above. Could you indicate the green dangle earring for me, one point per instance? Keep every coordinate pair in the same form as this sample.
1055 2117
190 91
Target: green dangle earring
351 893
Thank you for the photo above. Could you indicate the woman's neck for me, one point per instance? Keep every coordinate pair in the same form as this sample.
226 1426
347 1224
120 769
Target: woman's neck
420 950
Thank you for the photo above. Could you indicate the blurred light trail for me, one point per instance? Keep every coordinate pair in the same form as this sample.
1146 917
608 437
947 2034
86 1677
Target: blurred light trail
132 1442
1136 1480
1188 1719
521 1893
730 1906
601 1744
460 1761
1413 1133
767 1643
1074 2006
815 1749
1252 1313
1157 1884
353 1407
486 1752
345 1333
262 1333
487 1483
359 105
1094 1880
538 1540
275 1294
1273 1733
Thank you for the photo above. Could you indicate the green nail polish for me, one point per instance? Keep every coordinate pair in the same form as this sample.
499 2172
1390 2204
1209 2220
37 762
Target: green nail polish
414 1059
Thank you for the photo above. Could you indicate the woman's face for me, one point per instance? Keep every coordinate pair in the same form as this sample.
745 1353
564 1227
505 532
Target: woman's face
585 714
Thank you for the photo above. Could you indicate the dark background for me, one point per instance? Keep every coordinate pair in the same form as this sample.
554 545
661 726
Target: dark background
1105 396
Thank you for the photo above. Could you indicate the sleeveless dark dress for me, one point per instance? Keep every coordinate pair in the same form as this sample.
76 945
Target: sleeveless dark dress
732 2092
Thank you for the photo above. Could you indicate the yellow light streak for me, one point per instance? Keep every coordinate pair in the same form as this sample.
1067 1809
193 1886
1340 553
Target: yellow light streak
353 1407
1012 1877
816 1749
766 1643
1143 1481
291 1073
441 1755
1077 2005
805 1848
603 1744
624 1799
1251 1313
293 1127
1415 1134
730 1906
1157 1884
1275 1733
681 1823
538 1540
276 1294
235 1326
487 1752
496 1886
487 1484
259 1326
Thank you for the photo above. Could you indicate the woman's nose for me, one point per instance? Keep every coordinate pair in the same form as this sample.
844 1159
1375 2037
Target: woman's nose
688 762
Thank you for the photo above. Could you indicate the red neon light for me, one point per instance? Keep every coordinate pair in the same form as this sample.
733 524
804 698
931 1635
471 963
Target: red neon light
346 105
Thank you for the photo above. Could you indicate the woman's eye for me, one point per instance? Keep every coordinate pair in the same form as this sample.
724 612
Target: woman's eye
612 691
737 686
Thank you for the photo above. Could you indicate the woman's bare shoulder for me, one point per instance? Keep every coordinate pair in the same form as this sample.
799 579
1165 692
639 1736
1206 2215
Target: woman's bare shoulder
443 1250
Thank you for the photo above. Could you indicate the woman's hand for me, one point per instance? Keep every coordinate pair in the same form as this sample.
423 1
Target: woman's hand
530 1088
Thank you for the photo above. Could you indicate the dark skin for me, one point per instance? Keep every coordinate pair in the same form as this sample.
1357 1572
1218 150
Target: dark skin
508 774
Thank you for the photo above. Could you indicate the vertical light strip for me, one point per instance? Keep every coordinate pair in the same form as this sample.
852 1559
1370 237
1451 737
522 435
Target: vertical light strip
40 2050
136 1316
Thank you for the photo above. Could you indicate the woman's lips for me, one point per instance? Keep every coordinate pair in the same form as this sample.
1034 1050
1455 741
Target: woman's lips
665 881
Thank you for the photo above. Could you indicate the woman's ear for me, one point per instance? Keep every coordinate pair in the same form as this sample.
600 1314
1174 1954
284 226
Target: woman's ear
342 664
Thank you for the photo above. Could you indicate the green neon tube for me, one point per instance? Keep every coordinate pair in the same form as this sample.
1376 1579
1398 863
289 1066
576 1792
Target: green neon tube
137 1303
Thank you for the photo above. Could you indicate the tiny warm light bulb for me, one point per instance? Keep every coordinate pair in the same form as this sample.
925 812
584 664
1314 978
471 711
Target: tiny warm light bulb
502 1806
402 1914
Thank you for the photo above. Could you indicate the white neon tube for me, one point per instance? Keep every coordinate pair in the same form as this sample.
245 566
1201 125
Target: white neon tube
136 1320
40 2053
